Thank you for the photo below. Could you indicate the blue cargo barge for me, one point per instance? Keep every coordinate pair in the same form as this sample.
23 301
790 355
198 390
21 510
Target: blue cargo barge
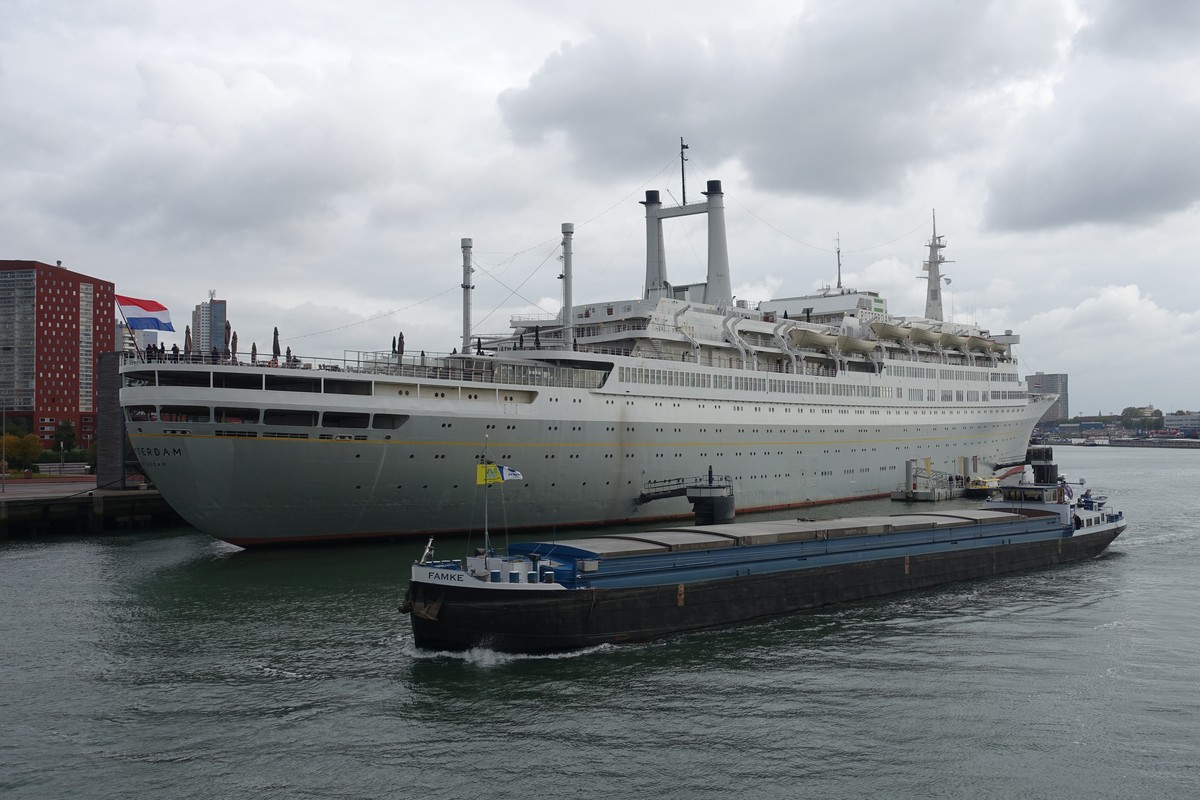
550 596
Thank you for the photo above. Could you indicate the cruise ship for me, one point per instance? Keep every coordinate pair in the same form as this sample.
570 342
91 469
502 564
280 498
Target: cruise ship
799 400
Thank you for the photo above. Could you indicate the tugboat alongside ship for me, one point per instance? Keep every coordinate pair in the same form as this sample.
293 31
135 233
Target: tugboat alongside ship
554 596
804 400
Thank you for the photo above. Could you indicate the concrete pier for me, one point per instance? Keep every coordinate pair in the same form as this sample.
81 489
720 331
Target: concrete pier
30 508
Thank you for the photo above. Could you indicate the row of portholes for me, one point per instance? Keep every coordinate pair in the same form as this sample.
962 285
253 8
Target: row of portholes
755 453
548 456
455 486
629 482
442 395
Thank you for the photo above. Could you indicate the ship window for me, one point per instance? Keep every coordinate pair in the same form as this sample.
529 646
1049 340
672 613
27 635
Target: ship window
184 414
302 418
184 378
335 386
245 416
389 422
236 380
289 383
137 414
139 378
345 419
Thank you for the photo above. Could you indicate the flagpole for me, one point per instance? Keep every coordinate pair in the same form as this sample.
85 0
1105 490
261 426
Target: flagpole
137 349
487 536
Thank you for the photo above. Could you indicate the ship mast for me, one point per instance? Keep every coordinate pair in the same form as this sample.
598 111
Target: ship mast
839 259
933 292
683 169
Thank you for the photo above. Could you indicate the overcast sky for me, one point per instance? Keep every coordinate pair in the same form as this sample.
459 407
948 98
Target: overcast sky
317 163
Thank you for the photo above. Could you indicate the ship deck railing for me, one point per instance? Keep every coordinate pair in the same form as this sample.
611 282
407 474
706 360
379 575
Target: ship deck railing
454 366
477 369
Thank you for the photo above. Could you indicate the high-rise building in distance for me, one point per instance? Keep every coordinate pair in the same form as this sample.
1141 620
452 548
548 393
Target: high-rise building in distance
208 326
1051 383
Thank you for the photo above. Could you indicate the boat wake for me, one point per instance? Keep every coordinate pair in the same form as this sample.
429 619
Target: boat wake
488 658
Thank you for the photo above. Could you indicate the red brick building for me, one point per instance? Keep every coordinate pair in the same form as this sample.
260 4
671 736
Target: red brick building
54 323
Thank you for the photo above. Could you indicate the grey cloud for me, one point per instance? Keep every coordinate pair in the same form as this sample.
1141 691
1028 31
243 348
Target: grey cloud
843 101
210 162
616 98
1107 150
1141 30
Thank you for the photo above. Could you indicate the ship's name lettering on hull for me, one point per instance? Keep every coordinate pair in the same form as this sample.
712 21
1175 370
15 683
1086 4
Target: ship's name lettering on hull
160 452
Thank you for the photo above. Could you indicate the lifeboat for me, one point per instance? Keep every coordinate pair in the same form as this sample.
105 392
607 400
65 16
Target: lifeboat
852 344
979 344
815 340
895 333
923 335
952 341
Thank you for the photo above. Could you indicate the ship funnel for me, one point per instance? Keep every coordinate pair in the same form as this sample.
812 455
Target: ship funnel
467 286
718 291
568 232
656 266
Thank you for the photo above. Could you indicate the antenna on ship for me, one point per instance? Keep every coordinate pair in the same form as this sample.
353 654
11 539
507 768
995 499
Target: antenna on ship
839 258
682 168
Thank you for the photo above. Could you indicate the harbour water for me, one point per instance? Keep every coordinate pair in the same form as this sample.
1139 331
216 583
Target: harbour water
167 664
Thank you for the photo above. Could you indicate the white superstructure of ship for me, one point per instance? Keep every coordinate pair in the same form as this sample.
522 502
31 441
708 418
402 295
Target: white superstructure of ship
801 400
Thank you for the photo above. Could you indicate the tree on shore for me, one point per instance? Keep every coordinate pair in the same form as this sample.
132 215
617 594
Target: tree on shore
22 451
64 436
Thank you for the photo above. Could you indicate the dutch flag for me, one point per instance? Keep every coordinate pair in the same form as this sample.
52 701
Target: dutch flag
144 315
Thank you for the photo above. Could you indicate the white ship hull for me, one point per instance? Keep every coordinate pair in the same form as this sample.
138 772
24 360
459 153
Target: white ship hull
585 454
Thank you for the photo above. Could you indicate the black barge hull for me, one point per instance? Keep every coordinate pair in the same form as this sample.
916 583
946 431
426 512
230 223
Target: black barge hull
461 618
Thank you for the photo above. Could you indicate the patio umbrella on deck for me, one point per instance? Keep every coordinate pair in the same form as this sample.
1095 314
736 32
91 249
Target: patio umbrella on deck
228 330
254 352
275 345
187 339
400 345
233 346
289 356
